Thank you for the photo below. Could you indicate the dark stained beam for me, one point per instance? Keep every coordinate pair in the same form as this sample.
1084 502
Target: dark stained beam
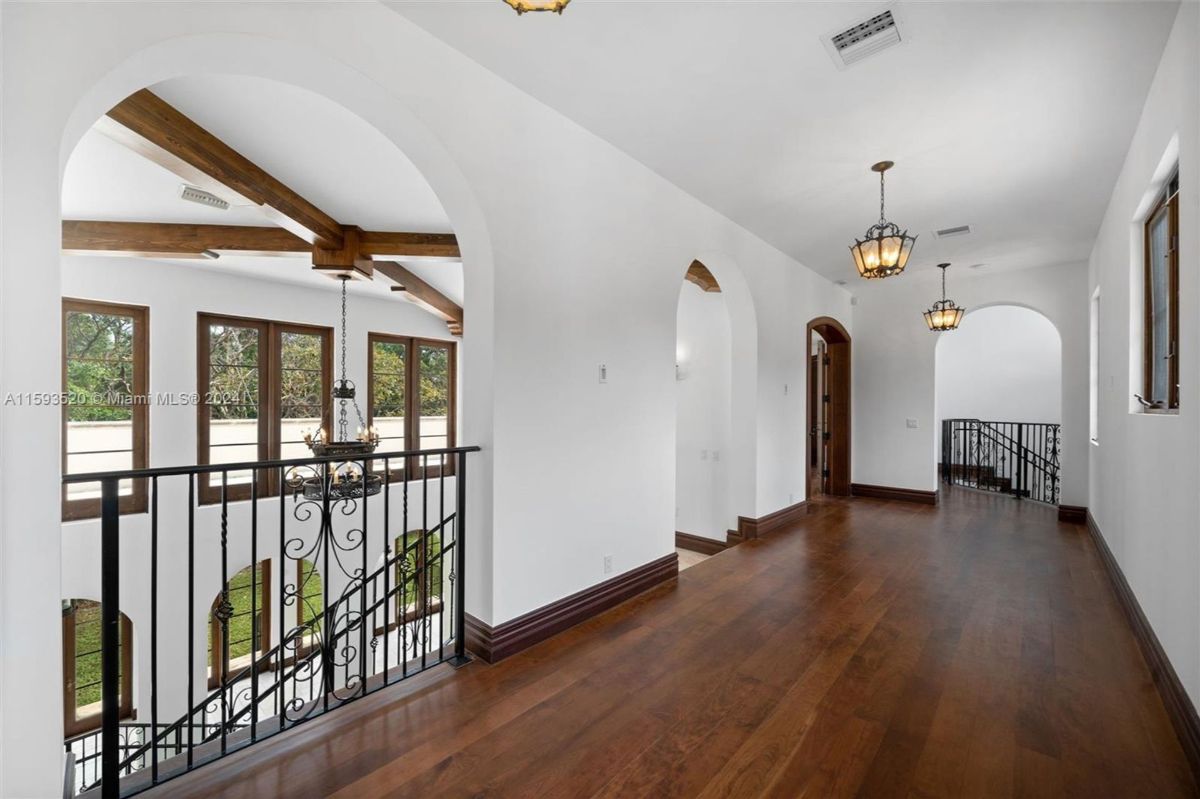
423 294
411 245
161 239
698 273
175 240
154 128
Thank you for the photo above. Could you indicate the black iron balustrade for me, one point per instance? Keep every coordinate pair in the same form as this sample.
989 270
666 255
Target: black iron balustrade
373 582
1017 458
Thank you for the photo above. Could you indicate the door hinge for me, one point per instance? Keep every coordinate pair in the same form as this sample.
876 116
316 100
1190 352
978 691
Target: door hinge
824 472
825 398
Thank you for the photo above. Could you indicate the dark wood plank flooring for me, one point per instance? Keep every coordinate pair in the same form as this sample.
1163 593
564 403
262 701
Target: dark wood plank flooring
875 649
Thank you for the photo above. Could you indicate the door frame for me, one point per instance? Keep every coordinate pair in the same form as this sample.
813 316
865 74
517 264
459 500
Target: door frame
837 348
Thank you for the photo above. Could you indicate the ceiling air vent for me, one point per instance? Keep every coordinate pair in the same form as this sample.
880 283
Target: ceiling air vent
862 40
196 195
951 232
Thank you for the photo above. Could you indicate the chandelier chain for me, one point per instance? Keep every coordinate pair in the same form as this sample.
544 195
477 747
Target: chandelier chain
882 218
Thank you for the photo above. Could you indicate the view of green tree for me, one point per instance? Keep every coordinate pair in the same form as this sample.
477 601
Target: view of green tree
312 603
409 565
300 376
233 371
87 652
435 380
99 367
242 622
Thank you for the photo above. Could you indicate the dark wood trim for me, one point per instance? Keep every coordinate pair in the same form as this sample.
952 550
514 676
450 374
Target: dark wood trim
76 726
137 500
496 643
696 543
894 494
1175 699
1072 514
756 528
1168 205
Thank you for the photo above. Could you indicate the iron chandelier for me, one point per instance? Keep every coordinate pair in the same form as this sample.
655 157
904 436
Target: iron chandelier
884 250
944 314
521 6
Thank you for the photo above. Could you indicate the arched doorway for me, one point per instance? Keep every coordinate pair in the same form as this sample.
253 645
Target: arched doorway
703 415
827 465
998 402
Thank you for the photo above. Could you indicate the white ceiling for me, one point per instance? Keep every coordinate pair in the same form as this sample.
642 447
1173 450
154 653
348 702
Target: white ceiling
328 155
1013 118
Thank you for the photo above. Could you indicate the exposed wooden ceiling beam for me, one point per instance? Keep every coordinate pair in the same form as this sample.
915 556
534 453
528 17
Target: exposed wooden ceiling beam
163 239
154 128
428 245
423 294
175 240
698 273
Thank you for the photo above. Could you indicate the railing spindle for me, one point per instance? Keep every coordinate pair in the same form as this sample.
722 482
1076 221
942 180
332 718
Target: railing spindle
110 617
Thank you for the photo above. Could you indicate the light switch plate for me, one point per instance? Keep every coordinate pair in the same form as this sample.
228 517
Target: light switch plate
911 424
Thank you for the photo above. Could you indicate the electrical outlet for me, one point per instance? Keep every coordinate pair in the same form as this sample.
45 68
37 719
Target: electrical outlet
608 564
603 373
911 424
703 454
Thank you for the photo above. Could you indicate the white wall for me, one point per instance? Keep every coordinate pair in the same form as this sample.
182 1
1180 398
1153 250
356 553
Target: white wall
1146 468
894 369
1003 363
702 421
572 255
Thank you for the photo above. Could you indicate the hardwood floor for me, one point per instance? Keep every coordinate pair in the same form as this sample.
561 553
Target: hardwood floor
875 649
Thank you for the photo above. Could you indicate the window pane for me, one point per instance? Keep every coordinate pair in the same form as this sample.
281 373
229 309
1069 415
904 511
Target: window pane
389 392
243 622
300 351
302 390
435 396
1160 308
233 385
88 654
99 336
100 382
228 345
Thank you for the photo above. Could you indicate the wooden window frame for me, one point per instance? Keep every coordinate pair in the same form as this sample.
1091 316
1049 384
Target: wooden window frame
270 370
1168 203
412 385
77 726
137 500
217 660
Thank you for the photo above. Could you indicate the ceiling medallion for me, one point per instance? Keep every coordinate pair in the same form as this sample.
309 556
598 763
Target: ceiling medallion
884 250
521 6
944 314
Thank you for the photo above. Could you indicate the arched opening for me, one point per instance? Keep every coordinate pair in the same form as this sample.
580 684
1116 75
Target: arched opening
998 402
703 383
827 465
239 627
82 666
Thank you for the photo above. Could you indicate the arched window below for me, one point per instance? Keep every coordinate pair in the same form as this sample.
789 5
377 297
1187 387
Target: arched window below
82 659
249 609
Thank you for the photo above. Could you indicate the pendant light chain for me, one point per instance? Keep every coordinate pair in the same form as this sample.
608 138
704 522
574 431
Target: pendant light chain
943 282
882 218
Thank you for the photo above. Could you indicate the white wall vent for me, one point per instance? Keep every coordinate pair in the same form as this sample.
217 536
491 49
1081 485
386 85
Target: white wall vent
197 195
863 39
951 232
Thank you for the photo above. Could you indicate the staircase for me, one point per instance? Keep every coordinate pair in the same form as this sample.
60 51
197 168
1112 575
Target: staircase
1016 458
374 626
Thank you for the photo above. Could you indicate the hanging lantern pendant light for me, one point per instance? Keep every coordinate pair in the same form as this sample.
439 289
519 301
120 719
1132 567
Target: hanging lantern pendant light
944 314
884 250
523 6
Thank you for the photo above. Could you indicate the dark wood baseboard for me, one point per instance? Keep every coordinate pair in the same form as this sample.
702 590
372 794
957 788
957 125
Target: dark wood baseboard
1072 514
756 528
895 494
1174 696
506 639
733 538
698 543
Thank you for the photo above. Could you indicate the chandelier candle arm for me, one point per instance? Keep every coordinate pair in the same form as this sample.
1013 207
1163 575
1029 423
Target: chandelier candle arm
944 315
885 248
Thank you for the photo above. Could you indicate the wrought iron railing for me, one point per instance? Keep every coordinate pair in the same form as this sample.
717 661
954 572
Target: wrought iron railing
1017 458
367 588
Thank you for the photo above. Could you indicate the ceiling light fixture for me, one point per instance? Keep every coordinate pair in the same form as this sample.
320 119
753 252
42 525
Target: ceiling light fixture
521 6
884 250
944 314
